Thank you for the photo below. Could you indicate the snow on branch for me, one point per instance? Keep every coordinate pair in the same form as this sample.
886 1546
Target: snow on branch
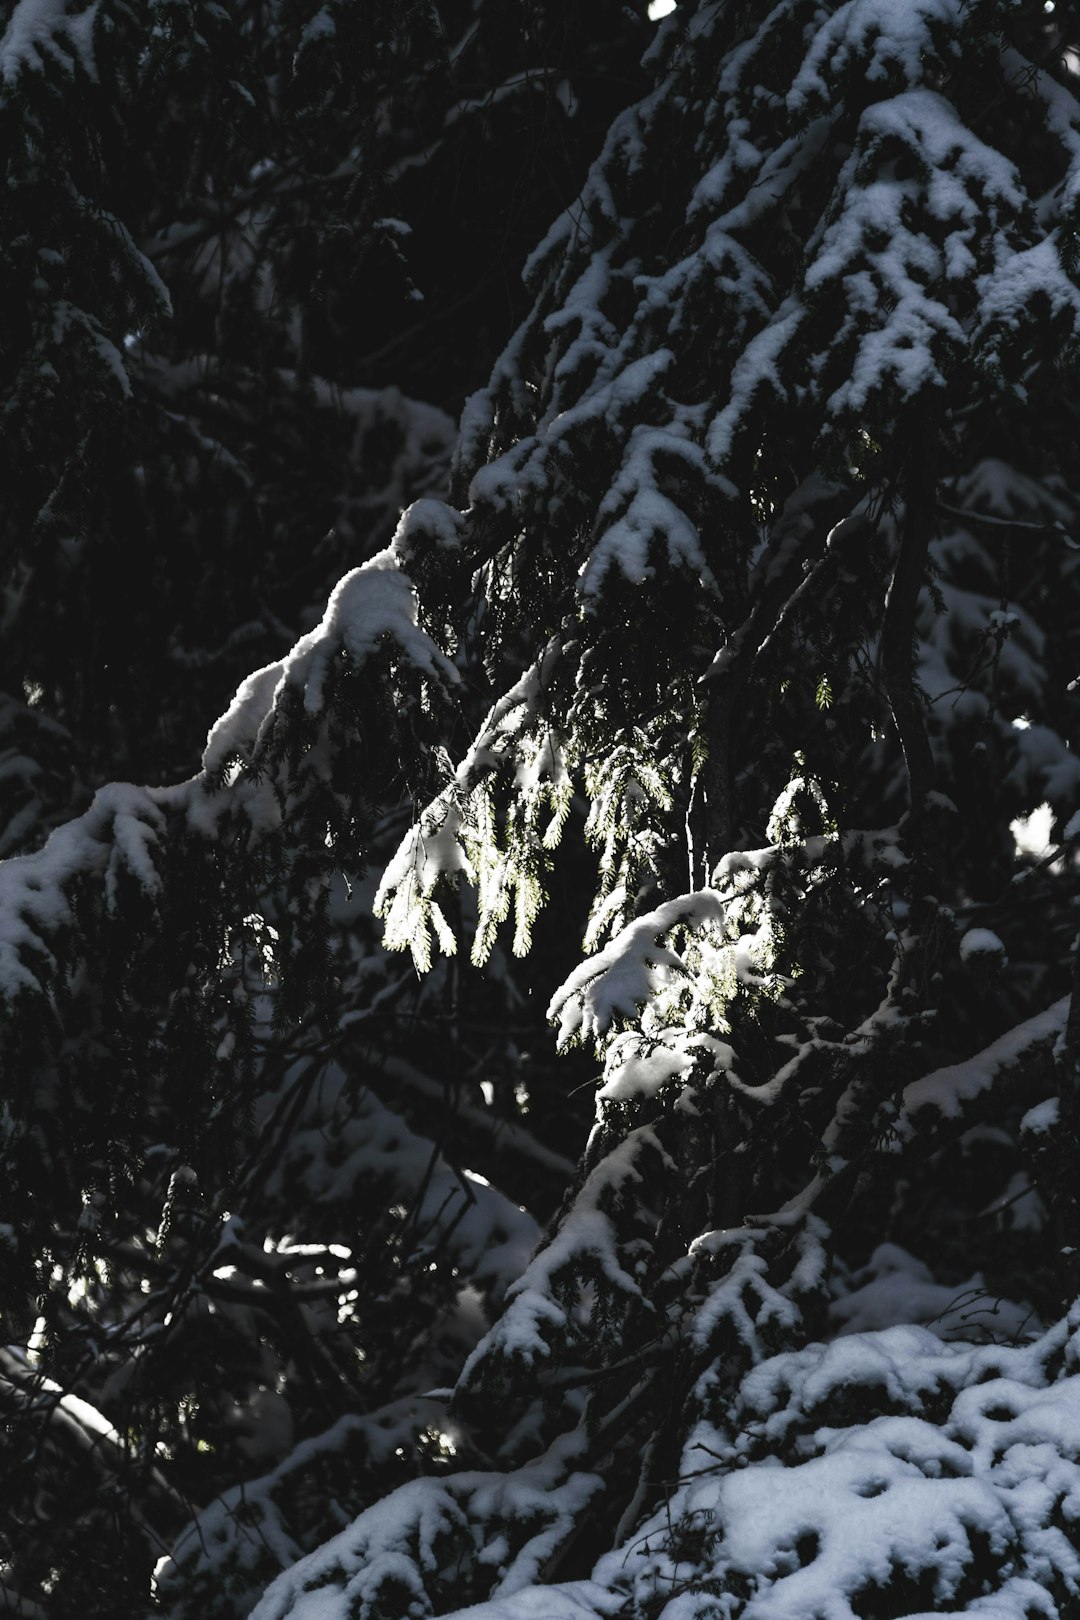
947 1092
647 978
117 835
249 1534
551 1298
742 1304
635 512
918 1474
126 827
517 757
944 1094
374 604
471 1533
873 38
344 1142
60 30
622 978
885 1472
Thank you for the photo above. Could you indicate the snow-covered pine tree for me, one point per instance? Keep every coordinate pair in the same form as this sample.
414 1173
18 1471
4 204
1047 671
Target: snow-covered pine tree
203 430
257 170
768 521
760 563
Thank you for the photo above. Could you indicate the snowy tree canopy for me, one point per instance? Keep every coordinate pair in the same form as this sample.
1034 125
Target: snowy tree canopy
567 1106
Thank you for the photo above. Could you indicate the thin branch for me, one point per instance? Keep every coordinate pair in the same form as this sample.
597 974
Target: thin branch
901 606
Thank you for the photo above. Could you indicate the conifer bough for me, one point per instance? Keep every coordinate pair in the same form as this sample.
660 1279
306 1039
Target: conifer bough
741 645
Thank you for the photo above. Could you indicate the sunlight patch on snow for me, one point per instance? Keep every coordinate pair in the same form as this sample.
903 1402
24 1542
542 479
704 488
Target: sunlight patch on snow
1031 834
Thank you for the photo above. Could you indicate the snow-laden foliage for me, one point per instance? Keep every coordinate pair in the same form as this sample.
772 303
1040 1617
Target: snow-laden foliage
238 262
856 263
282 712
766 496
473 1531
376 1197
725 711
236 257
922 1477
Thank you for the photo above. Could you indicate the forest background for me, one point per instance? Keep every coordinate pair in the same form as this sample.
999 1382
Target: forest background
564 1097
